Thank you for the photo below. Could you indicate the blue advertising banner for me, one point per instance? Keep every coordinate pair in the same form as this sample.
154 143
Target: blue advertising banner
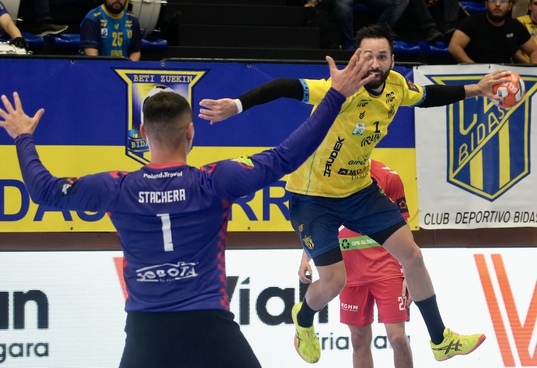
93 112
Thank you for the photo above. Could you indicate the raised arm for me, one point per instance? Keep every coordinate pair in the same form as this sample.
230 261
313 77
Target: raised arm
441 95
218 110
91 193
260 170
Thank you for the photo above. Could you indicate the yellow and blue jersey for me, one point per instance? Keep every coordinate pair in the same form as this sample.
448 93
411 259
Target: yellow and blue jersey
340 166
112 35
530 25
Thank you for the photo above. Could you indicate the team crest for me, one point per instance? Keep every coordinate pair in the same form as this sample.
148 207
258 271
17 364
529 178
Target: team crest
488 147
308 242
142 84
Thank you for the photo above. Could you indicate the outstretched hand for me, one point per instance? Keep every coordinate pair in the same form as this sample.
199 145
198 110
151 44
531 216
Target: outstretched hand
488 81
217 110
354 76
16 122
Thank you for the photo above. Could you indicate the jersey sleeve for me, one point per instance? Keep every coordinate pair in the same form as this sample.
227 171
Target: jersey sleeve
247 174
136 40
395 189
466 26
413 94
315 89
90 33
522 32
89 193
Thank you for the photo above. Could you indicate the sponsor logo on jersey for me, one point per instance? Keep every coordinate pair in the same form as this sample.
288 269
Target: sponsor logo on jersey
333 155
349 307
359 128
391 112
360 173
244 161
390 97
69 185
363 102
167 272
142 84
411 86
372 139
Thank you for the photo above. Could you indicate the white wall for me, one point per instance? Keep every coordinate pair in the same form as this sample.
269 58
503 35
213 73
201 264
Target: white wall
86 317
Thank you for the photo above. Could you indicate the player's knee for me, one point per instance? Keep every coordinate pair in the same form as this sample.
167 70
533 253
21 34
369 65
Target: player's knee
337 283
398 340
411 257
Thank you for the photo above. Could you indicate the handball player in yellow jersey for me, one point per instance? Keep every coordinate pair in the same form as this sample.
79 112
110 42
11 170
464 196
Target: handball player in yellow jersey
334 187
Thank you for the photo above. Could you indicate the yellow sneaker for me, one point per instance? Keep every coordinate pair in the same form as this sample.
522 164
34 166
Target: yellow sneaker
306 341
455 344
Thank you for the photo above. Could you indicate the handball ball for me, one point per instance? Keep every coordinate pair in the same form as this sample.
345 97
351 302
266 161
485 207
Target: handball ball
511 92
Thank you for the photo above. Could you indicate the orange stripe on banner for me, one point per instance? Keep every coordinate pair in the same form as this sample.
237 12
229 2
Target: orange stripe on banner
494 310
118 261
521 332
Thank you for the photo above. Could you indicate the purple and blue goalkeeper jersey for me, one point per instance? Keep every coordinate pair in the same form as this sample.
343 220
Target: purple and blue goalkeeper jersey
172 219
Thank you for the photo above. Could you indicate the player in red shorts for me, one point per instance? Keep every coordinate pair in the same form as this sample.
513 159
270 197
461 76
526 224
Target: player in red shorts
374 276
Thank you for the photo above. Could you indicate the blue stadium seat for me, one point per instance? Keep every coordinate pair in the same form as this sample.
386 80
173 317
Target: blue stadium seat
71 40
33 40
405 48
64 40
154 45
437 48
473 7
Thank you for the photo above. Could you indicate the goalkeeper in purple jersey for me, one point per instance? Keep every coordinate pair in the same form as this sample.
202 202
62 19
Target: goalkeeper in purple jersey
172 220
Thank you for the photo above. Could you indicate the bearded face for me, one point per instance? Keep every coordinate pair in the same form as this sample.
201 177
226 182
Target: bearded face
115 6
380 77
379 50
498 10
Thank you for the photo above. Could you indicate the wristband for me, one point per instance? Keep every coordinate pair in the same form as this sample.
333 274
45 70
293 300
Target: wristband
239 105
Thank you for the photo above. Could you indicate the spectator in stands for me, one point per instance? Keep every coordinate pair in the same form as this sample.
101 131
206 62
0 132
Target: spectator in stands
491 37
530 22
390 12
111 30
520 8
450 16
8 26
43 19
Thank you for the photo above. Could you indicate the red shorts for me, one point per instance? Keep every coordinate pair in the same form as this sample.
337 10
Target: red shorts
356 303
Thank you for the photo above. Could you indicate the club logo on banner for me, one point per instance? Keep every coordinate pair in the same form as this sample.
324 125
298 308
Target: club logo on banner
143 84
474 158
488 147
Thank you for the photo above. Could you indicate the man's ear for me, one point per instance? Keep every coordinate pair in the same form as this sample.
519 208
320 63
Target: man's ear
190 131
142 131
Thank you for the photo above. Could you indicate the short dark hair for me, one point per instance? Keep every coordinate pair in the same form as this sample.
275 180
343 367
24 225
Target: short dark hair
376 31
166 115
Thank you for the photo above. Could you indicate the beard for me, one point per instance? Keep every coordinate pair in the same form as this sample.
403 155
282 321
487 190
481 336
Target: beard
116 7
496 18
379 80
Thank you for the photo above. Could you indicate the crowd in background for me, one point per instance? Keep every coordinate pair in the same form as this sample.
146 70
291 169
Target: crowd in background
501 31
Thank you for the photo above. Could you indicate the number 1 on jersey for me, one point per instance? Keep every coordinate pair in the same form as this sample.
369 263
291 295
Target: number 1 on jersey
166 231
